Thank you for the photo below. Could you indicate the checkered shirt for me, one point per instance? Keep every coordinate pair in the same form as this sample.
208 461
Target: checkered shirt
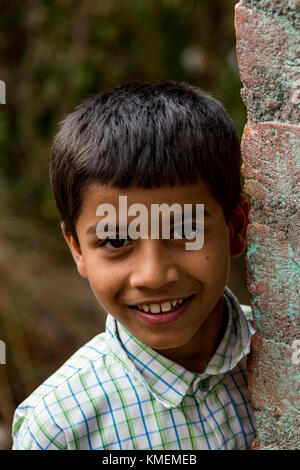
117 393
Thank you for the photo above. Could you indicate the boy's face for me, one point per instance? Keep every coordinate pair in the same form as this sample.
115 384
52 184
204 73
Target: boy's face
143 271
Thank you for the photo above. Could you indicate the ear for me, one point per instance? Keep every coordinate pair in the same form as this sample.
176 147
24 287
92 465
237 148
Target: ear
75 250
238 226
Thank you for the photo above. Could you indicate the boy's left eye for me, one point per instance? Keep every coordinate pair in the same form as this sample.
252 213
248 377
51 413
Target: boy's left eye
180 231
177 232
116 243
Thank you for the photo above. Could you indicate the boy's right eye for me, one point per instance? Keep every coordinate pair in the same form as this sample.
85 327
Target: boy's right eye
116 243
180 232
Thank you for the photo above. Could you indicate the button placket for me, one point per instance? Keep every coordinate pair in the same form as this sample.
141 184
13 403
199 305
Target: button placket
204 385
201 387
195 385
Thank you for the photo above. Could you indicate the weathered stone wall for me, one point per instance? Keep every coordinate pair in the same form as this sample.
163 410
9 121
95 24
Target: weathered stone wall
268 50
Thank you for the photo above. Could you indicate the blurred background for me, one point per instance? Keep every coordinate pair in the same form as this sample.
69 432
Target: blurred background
53 55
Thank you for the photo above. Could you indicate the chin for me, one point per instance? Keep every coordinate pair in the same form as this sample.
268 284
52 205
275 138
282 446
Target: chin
164 345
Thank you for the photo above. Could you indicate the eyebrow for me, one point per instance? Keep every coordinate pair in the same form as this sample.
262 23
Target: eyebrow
123 228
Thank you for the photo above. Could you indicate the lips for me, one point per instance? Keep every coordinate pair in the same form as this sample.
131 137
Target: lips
163 317
159 307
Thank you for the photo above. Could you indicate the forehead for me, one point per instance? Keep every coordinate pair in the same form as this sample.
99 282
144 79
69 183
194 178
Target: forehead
98 194
198 193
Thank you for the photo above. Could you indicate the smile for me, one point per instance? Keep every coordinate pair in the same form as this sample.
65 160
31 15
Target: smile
166 312
168 306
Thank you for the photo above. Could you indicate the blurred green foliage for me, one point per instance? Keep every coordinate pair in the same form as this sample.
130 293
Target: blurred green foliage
54 54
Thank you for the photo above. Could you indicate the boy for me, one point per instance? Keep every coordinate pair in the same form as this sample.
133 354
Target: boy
170 370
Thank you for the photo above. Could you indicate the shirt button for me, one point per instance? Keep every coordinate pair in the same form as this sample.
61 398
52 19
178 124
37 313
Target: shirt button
204 385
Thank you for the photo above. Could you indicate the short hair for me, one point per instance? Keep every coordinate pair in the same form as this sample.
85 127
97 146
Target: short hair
147 135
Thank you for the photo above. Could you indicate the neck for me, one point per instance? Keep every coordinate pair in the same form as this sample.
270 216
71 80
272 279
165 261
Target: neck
195 355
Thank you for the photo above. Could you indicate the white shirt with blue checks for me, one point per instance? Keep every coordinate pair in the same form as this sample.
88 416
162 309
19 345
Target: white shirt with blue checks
117 393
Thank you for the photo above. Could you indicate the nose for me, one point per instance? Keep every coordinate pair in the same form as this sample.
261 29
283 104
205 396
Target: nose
154 267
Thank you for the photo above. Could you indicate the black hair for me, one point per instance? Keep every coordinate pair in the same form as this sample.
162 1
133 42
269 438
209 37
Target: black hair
147 135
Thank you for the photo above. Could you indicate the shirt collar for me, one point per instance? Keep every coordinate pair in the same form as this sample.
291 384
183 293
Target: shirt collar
167 381
235 343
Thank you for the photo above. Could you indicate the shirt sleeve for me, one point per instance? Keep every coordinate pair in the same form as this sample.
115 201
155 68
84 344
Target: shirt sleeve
35 429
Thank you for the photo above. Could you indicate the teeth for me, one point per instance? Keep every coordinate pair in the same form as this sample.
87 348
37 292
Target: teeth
154 308
166 306
158 308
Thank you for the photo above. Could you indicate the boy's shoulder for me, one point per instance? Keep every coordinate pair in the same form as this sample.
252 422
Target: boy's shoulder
247 311
237 306
88 357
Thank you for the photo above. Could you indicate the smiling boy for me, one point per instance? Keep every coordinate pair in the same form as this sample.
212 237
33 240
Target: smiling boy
170 370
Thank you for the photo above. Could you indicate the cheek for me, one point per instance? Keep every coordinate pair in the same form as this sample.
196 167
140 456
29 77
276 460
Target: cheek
211 263
106 279
219 258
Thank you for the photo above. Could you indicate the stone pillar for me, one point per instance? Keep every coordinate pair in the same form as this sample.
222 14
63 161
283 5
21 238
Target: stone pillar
268 33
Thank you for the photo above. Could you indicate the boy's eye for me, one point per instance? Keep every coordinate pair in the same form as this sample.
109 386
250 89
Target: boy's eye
181 232
114 243
177 232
